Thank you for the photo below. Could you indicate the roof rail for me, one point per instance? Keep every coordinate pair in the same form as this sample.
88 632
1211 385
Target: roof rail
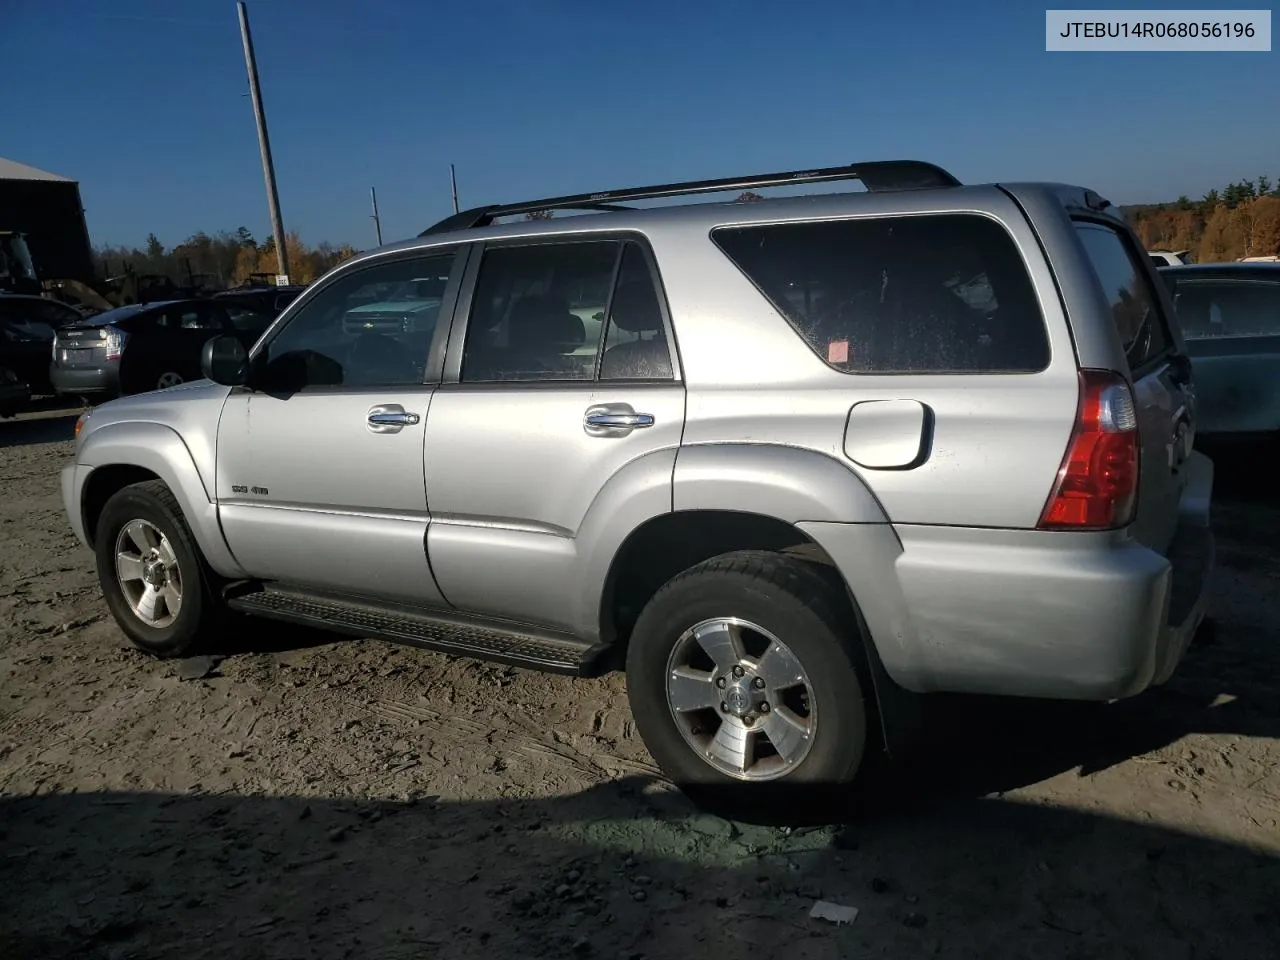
878 175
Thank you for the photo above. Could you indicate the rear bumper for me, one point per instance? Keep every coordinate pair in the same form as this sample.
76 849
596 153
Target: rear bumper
1027 613
86 380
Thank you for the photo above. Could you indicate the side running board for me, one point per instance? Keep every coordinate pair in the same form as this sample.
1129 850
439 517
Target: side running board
514 644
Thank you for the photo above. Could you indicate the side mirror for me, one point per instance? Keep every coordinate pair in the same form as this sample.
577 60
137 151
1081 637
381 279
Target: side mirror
224 360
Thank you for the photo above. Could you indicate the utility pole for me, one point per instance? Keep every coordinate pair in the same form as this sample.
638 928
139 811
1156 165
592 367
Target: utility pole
377 224
453 179
264 144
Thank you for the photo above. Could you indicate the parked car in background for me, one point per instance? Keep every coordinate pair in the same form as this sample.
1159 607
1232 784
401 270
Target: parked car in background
27 324
144 347
821 452
263 299
1162 258
395 309
1230 317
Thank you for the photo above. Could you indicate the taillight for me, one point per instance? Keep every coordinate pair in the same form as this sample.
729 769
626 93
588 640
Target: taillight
1097 485
116 339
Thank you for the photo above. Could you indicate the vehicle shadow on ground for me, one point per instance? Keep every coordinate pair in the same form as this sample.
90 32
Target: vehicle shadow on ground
1241 470
26 431
617 871
246 635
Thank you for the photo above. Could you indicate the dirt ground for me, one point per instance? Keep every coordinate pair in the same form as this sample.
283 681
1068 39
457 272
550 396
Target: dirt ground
315 797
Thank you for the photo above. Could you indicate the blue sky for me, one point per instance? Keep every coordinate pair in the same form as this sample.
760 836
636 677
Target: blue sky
145 103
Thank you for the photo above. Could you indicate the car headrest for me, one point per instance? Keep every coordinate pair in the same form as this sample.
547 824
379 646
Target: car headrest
543 321
635 307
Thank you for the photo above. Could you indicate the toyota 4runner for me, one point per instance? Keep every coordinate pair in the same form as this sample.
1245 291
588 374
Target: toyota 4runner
818 453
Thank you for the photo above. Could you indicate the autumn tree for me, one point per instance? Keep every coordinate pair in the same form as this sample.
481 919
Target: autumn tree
748 196
1240 220
539 215
218 260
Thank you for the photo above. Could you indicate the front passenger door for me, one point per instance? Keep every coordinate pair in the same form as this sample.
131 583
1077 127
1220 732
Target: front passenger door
319 465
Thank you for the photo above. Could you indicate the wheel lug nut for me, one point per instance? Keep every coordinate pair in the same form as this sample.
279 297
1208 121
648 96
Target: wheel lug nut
764 707
749 719
720 682
758 683
738 671
724 708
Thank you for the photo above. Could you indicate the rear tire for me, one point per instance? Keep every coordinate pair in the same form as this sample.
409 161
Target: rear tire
785 669
154 579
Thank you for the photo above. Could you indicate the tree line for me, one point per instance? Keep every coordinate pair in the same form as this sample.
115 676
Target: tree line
220 260
1241 220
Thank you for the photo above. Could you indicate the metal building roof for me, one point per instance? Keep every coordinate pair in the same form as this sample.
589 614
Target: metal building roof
12 170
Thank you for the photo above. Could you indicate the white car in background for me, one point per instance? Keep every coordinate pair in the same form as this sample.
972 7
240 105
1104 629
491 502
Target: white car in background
1167 258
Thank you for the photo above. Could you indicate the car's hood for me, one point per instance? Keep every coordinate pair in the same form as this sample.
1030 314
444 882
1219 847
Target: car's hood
197 404
395 306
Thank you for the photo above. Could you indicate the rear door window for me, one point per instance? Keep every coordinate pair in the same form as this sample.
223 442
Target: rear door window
940 293
1135 310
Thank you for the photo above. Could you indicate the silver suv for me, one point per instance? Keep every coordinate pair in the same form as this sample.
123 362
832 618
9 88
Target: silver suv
819 455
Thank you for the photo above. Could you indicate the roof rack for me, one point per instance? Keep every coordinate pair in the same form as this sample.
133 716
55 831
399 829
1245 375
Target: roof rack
876 176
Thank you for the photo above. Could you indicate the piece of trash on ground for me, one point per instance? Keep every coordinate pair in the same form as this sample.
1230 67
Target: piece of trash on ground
837 913
198 668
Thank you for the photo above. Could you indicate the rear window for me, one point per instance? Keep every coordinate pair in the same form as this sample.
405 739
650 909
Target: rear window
942 293
1227 308
1134 307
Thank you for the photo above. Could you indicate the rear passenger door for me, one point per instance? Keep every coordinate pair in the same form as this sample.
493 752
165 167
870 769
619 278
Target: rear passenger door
1161 375
561 377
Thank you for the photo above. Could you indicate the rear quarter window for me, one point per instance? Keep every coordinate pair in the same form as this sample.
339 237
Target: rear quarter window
1135 310
938 293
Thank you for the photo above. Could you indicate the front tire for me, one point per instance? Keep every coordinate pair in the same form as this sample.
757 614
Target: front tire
151 573
743 677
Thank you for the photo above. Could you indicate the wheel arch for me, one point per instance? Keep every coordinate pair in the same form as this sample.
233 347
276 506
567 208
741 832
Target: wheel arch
665 545
119 454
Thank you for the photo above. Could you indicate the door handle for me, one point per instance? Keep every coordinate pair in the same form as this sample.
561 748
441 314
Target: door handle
392 419
614 420
601 418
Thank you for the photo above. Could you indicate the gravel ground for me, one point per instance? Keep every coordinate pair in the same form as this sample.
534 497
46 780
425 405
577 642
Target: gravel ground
315 797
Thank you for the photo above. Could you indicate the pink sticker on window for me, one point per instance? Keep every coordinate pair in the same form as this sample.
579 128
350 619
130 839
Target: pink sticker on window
838 351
